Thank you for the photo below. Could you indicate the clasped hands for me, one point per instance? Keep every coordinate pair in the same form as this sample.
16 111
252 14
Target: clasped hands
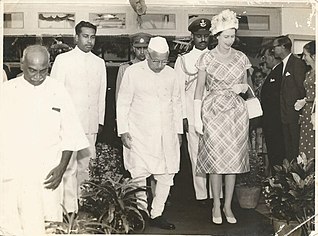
239 88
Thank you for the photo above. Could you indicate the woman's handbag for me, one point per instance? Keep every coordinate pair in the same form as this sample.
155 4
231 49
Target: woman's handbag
253 106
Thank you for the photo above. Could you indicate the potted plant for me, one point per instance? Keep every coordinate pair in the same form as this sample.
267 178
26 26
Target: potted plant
108 203
248 185
289 193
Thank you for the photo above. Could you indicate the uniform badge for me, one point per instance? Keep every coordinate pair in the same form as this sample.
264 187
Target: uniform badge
202 23
141 40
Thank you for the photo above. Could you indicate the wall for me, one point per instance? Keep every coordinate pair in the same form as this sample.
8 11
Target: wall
298 21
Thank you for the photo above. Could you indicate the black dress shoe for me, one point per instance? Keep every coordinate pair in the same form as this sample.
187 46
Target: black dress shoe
161 223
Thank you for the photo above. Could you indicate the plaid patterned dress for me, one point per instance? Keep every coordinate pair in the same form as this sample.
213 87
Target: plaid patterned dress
223 147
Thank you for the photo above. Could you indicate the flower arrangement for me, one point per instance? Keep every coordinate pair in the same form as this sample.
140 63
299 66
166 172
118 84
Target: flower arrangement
289 193
224 20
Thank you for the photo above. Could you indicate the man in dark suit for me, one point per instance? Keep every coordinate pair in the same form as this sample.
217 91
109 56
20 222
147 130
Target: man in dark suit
292 89
270 100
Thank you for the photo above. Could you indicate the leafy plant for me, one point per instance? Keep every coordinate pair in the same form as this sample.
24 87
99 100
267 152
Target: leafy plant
109 196
256 175
289 193
84 224
114 203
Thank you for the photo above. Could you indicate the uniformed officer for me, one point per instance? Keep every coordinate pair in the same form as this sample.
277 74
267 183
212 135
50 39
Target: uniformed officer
140 43
187 77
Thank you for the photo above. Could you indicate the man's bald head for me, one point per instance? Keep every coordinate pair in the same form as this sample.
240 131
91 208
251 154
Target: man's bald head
35 64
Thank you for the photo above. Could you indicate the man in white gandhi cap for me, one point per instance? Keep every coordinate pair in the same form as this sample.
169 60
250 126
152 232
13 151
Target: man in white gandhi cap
149 120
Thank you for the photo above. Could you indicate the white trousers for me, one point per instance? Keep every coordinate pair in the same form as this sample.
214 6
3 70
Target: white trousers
199 180
161 191
76 173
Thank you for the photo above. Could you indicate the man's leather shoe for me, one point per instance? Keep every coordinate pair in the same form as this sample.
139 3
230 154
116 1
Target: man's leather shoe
161 223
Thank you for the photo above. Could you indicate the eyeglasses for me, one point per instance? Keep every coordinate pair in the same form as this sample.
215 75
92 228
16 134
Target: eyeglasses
158 61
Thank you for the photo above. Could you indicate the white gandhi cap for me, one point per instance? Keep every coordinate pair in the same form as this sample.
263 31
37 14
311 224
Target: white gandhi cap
158 44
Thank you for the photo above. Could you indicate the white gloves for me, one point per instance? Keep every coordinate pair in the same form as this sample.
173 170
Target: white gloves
299 104
197 116
239 88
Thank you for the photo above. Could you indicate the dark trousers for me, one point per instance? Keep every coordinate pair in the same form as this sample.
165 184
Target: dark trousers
291 134
274 143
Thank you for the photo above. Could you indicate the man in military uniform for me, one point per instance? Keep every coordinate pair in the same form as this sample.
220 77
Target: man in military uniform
140 43
187 77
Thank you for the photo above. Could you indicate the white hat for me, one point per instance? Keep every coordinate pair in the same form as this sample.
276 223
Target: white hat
223 21
158 44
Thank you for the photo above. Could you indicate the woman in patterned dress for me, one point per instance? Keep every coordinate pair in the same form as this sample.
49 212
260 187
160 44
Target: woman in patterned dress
223 145
307 133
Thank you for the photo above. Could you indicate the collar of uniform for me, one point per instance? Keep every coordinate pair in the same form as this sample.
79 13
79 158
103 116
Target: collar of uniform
80 52
196 51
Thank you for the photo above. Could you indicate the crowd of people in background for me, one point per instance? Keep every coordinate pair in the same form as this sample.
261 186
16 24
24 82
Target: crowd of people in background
201 97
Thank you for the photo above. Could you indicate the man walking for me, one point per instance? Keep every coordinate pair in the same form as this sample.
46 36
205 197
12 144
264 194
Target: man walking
150 125
39 131
187 76
84 76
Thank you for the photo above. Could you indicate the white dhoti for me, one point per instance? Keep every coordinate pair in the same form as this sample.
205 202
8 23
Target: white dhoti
76 173
161 191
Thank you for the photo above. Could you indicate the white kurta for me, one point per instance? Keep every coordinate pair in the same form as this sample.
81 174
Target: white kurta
37 124
149 108
84 77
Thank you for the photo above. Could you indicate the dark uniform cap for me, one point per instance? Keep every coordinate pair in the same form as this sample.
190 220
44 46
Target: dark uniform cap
200 26
140 39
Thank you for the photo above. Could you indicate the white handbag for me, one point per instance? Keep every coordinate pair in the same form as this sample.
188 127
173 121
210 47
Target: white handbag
253 106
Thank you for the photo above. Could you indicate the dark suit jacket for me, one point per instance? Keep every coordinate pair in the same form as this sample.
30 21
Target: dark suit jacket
270 96
292 88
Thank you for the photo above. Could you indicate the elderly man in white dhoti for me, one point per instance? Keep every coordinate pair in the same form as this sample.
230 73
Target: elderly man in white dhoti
39 130
149 119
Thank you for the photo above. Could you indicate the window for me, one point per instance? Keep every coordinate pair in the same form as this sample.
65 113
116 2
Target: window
108 20
13 20
56 20
158 21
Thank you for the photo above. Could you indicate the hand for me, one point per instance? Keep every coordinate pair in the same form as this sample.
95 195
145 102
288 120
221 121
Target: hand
54 178
185 125
197 116
239 88
126 139
100 128
180 139
300 104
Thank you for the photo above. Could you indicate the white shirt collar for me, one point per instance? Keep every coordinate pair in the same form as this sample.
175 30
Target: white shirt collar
80 52
285 61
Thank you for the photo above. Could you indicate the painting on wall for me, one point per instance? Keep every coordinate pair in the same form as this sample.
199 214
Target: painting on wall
108 20
56 20
13 20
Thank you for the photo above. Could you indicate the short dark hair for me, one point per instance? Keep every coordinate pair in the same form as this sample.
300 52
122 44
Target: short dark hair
80 25
285 41
311 47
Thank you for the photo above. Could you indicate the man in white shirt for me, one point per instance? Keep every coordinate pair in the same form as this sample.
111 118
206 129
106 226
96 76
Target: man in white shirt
150 125
39 131
187 76
84 76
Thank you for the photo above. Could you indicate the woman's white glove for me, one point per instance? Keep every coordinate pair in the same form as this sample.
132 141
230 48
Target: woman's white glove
239 88
299 104
197 116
